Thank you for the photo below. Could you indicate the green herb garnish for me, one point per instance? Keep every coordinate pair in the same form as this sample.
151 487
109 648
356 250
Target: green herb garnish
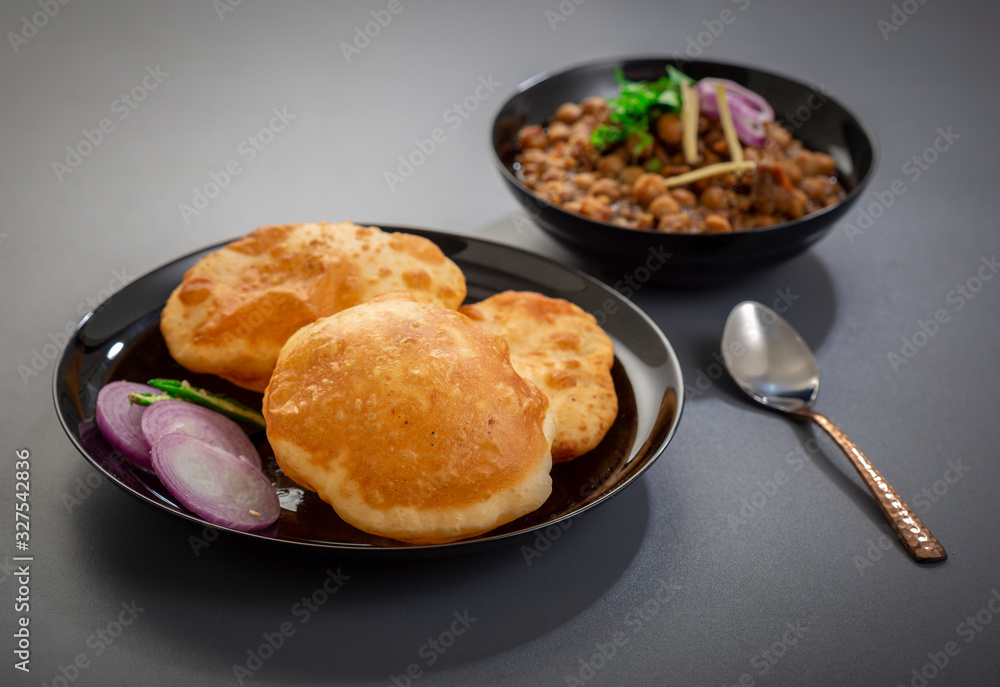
182 390
638 103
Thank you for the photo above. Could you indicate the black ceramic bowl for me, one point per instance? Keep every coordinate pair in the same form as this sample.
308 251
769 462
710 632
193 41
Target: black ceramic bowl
814 117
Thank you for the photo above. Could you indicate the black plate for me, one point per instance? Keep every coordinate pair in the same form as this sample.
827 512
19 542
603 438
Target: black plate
814 117
121 340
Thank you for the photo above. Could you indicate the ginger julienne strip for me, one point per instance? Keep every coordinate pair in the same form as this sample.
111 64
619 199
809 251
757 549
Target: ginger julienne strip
689 121
726 118
709 171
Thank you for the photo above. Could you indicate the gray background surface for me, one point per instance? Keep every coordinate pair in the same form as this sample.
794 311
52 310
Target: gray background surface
705 572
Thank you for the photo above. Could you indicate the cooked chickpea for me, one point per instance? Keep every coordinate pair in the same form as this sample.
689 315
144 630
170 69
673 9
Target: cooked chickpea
827 165
814 164
816 188
684 197
645 221
743 203
648 187
714 198
532 137
533 155
792 172
792 203
669 129
592 207
716 224
553 174
631 173
558 131
610 165
799 203
721 147
778 134
594 105
581 150
568 113
584 180
675 224
664 205
605 187
558 161
557 191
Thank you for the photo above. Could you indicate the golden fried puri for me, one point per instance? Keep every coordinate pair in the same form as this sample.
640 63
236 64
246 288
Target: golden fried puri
563 350
409 420
237 306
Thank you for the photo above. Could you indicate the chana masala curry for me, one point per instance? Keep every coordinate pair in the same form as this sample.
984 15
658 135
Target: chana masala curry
677 156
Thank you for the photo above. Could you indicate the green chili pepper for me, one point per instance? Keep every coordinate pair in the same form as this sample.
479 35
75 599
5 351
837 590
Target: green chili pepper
182 390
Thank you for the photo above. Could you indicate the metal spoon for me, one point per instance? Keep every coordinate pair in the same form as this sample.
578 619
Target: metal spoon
769 360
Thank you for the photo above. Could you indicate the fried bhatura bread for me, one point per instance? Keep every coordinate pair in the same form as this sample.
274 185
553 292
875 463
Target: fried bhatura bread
563 350
409 420
237 306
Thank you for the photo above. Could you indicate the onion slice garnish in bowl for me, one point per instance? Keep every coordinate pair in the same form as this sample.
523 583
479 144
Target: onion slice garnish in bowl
749 109
181 417
215 484
120 421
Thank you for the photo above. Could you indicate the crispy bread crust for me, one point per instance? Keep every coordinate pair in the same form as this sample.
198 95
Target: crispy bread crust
236 307
410 421
563 350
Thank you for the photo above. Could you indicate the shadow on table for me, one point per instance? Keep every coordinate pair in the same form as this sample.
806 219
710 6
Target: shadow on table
225 603
800 290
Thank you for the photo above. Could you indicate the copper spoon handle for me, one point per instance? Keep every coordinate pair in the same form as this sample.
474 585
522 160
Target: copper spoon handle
916 538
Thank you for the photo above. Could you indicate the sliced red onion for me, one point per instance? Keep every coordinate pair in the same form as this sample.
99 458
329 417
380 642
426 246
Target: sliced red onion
213 483
750 102
749 109
751 131
120 421
173 417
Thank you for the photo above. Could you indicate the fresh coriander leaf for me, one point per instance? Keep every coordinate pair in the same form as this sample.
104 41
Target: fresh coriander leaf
677 76
670 99
637 103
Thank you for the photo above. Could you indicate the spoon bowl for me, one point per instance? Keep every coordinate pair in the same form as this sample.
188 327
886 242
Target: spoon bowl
768 359
771 363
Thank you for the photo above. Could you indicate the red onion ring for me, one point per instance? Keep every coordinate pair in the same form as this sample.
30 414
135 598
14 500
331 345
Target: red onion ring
120 421
750 110
215 484
172 417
